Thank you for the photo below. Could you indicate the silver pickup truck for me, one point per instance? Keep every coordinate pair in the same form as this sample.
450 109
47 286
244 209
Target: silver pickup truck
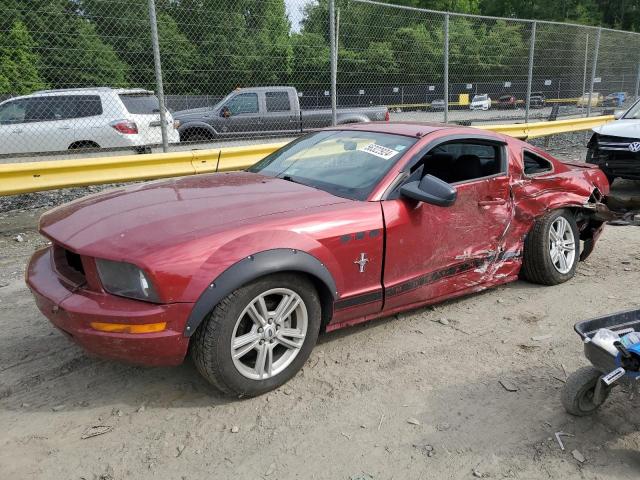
264 111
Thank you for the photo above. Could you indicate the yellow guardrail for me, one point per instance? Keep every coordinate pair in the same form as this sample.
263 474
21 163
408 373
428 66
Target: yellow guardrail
494 102
47 175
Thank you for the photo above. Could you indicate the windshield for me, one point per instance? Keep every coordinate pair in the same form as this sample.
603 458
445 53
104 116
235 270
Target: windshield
634 112
344 163
479 98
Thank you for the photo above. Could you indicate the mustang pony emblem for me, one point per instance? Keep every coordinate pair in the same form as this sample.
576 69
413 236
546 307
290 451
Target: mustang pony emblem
362 262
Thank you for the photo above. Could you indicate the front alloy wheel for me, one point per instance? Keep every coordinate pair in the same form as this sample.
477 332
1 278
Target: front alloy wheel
269 333
259 336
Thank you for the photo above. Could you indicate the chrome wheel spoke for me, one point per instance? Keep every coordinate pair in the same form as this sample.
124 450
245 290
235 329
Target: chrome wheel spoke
290 308
563 261
291 332
261 360
238 354
285 342
256 316
245 339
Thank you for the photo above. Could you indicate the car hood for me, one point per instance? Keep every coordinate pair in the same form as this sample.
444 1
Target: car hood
193 113
620 128
148 217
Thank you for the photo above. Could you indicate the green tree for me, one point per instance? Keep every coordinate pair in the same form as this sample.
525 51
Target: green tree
18 62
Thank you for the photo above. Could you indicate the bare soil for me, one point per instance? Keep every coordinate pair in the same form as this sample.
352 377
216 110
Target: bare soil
416 396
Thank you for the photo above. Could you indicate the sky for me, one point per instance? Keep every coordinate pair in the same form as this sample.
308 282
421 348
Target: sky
294 10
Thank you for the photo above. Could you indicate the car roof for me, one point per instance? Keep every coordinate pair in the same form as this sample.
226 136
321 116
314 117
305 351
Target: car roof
85 90
408 129
413 129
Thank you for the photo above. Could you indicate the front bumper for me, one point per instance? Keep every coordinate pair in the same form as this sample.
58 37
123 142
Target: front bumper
72 311
616 163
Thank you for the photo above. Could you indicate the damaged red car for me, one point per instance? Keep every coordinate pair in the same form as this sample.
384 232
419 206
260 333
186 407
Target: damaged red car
344 225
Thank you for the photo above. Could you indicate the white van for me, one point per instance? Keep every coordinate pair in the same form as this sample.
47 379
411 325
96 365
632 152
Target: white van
84 118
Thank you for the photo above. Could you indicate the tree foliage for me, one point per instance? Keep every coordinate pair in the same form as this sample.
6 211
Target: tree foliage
212 46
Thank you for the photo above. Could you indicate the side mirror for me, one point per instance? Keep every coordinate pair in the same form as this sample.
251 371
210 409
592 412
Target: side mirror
225 112
430 190
618 114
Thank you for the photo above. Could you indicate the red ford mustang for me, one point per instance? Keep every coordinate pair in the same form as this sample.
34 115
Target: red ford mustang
338 227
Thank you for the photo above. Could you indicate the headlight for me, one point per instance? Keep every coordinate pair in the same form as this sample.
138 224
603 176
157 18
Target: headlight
126 280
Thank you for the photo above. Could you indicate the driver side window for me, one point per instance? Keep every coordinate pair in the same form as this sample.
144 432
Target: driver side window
243 103
456 162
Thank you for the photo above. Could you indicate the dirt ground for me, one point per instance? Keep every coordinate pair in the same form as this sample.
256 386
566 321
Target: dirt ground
416 396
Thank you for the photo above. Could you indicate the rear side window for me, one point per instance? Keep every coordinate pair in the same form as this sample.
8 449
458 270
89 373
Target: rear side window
534 165
277 102
87 106
140 103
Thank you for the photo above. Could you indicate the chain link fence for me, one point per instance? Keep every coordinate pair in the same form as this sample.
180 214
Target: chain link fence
86 75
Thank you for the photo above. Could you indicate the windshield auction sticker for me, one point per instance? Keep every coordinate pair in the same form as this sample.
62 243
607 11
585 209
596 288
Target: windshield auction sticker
379 151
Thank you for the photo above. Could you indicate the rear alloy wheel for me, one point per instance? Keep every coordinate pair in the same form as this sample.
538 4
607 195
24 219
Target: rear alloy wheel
552 249
259 336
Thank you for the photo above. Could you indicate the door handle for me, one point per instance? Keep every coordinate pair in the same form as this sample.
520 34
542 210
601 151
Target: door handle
64 128
488 203
17 131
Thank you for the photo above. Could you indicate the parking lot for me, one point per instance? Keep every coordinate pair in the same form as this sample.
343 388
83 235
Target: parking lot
418 395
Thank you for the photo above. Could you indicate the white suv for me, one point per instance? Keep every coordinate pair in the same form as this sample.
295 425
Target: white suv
56 120
480 102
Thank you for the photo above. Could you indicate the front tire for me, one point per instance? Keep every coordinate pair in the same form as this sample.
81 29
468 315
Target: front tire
579 390
552 249
259 336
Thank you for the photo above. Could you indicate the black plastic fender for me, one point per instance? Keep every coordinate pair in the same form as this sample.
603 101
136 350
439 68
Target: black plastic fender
250 268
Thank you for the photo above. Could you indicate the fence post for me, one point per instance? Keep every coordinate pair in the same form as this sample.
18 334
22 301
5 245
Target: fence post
593 69
158 69
584 74
532 49
334 63
446 68
637 83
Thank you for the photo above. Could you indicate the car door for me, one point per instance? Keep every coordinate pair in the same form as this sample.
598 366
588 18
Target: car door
279 114
49 125
240 114
12 127
434 251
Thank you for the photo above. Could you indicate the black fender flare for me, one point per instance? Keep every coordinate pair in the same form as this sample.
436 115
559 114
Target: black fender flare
250 268
197 125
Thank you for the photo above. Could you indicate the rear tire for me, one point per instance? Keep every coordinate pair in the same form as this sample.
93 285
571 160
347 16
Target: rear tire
578 391
550 255
246 348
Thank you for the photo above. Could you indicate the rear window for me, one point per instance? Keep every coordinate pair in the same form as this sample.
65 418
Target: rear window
140 103
277 102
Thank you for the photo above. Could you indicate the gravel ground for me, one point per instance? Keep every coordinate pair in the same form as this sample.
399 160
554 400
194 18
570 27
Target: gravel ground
418 395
